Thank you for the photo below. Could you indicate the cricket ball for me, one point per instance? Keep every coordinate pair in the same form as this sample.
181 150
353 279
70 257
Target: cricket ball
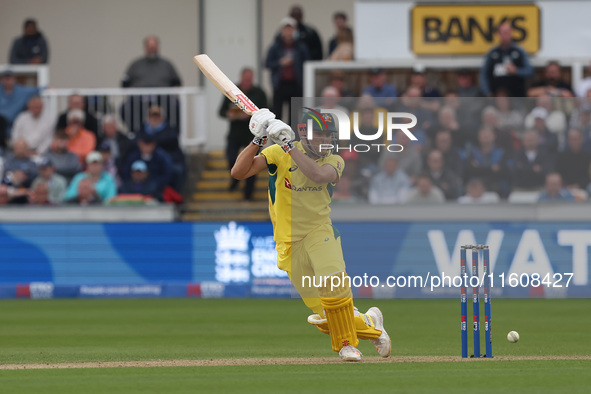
513 336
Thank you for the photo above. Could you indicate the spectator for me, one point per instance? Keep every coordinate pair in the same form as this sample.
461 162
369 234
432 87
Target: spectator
13 97
345 50
344 191
18 183
158 161
140 182
76 101
465 84
476 194
390 185
443 178
118 142
109 165
40 194
367 113
488 163
384 94
167 138
555 120
285 59
425 192
239 135
55 183
509 118
85 194
3 131
412 102
505 66
418 79
573 163
102 183
4 197
548 141
452 157
20 158
331 99
35 126
66 163
337 81
554 191
339 20
552 85
31 47
447 120
581 120
151 71
530 164
306 33
81 141
409 159
584 86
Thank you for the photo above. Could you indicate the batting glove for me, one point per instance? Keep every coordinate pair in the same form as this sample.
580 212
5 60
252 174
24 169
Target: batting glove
281 134
259 122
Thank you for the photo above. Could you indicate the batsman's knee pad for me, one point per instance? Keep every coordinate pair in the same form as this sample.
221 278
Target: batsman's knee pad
337 302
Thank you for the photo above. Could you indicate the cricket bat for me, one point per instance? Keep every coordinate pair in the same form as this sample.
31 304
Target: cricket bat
224 84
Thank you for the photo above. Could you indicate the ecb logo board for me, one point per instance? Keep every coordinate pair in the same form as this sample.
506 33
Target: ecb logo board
472 29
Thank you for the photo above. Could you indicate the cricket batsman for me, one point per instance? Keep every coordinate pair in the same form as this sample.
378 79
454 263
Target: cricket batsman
302 175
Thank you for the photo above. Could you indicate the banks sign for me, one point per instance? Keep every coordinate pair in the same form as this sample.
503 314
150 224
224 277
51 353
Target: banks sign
471 29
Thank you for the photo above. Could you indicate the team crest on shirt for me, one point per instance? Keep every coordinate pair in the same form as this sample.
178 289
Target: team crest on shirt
327 118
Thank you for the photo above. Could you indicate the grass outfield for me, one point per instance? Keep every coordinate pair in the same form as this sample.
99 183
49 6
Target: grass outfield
75 331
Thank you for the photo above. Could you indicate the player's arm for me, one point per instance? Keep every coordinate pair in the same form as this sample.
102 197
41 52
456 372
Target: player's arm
317 173
248 162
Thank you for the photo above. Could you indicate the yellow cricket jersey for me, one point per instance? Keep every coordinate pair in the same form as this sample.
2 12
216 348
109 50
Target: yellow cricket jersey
297 205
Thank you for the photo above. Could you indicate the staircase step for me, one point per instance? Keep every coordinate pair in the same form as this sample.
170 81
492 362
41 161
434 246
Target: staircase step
245 216
260 205
226 196
221 164
223 184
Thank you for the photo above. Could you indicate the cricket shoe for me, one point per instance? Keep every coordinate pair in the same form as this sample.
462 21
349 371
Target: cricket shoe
350 353
383 344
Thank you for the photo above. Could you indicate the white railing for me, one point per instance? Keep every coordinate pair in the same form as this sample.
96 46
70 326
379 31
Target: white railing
39 74
184 107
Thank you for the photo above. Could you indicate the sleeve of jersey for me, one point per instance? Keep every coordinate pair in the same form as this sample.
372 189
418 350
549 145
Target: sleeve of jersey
338 163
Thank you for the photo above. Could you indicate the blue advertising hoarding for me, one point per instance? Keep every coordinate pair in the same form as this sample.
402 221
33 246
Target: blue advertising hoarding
404 259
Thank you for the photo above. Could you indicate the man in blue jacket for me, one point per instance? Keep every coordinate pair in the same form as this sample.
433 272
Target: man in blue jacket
31 47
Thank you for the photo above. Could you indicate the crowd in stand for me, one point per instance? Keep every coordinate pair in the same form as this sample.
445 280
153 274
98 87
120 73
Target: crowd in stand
77 157
499 146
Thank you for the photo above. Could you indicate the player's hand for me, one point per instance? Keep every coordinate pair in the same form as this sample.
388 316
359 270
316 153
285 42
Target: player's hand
259 122
281 134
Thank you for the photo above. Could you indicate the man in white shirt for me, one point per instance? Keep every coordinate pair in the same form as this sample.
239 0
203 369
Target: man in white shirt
583 86
35 126
389 186
477 194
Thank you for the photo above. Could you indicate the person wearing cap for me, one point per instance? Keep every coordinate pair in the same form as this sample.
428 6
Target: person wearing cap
556 120
160 165
66 163
18 182
505 66
239 136
167 138
35 125
384 94
56 183
76 101
109 162
140 182
103 183
537 120
285 59
13 97
81 141
31 47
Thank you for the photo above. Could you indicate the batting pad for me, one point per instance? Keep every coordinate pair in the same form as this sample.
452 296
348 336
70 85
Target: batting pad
364 325
338 308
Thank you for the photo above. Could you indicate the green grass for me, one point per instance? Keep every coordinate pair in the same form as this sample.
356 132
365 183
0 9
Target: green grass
52 331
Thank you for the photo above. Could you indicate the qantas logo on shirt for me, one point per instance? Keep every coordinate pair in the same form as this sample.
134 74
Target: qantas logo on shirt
289 186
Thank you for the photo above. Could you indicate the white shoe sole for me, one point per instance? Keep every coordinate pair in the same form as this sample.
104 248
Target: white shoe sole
383 344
